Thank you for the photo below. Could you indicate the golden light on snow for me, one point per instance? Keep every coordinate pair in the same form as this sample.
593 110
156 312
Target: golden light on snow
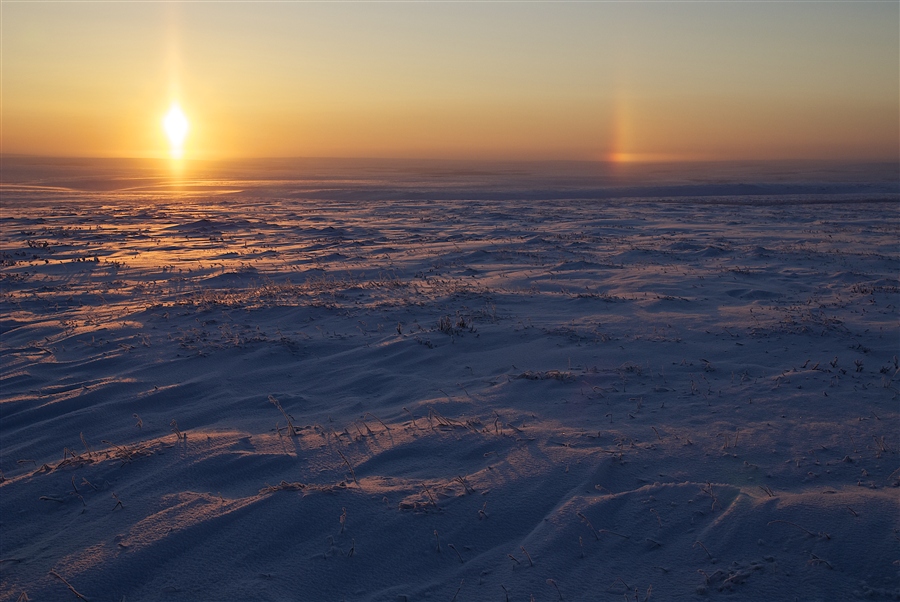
176 125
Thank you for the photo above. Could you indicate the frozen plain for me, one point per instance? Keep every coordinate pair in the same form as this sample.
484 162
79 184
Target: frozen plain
447 385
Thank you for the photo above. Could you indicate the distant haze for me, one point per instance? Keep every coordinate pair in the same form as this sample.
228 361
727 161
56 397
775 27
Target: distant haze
501 81
785 181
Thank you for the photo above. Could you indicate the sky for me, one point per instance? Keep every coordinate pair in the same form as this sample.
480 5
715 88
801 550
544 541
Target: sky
622 81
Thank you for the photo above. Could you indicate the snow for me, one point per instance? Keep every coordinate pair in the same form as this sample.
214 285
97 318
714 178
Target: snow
242 389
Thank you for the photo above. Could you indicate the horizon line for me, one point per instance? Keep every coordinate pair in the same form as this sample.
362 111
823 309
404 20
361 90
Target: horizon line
648 161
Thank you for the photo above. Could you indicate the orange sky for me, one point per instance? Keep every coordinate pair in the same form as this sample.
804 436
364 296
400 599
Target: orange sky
628 81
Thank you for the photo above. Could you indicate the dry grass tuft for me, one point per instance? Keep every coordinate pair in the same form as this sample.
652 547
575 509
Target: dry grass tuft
290 425
69 585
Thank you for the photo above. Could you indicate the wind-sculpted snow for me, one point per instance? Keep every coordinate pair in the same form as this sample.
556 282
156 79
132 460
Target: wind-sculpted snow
258 395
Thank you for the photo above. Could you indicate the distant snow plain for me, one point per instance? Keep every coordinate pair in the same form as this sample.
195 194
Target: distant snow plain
448 384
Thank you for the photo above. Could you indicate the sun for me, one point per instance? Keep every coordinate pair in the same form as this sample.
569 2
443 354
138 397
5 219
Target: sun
176 125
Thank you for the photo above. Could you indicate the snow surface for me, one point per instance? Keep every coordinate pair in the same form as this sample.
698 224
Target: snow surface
245 391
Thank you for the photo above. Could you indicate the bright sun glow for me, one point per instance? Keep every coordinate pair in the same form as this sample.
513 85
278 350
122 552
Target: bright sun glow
176 126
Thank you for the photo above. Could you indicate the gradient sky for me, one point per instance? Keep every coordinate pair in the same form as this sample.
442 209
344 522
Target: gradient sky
499 80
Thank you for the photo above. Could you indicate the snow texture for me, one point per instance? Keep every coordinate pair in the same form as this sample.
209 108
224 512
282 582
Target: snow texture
242 389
